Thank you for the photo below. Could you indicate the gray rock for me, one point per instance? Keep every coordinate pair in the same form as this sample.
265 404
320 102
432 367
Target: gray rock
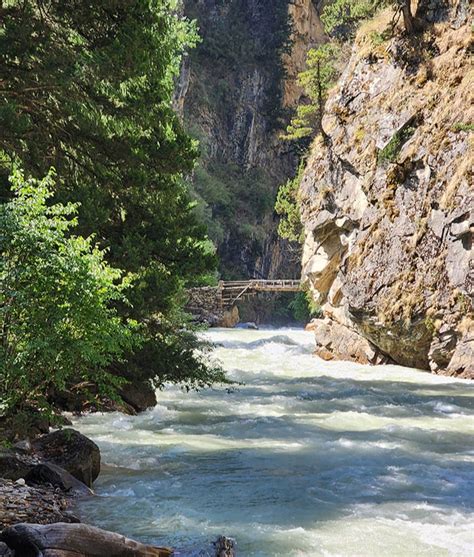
140 395
13 465
388 250
50 474
72 451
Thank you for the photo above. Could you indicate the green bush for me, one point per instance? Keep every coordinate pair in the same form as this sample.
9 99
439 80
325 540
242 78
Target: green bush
390 152
57 320
303 307
288 208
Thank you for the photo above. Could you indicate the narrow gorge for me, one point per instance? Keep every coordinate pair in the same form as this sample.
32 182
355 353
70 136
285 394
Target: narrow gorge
236 278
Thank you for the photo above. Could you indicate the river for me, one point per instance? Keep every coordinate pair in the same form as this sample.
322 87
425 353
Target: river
307 458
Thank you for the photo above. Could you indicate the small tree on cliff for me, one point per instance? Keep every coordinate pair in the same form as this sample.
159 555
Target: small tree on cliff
316 81
341 17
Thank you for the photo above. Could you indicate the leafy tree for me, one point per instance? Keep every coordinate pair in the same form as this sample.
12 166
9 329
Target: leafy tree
91 95
287 207
57 320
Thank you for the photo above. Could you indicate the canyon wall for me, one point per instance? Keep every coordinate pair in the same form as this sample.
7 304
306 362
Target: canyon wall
387 201
235 93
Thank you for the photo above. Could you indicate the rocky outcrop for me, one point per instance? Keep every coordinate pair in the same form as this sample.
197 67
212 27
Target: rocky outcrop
205 305
387 201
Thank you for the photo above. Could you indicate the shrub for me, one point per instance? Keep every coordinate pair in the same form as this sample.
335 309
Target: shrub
57 320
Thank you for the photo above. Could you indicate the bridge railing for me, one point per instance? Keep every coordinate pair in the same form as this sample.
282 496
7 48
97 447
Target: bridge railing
232 291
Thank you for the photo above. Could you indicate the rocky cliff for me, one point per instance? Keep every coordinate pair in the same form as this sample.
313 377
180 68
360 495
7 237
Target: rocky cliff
234 93
387 201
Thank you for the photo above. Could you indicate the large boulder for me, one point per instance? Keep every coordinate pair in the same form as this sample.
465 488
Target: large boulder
47 473
140 395
72 451
14 465
80 540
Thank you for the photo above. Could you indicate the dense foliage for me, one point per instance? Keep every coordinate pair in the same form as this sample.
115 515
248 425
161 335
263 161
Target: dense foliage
57 323
288 208
341 17
87 88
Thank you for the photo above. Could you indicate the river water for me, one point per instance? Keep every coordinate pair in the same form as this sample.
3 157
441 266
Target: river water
307 458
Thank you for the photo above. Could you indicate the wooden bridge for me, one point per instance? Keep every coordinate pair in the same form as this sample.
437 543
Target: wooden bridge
233 291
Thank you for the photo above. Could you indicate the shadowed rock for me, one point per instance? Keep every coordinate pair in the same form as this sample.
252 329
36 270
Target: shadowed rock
50 474
72 451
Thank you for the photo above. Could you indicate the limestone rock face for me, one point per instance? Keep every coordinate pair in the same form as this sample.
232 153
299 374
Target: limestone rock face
388 200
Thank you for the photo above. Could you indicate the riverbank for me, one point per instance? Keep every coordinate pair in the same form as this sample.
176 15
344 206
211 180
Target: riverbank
41 481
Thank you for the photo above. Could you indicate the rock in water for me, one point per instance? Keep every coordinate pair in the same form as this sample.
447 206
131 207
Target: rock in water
140 395
225 547
74 540
72 451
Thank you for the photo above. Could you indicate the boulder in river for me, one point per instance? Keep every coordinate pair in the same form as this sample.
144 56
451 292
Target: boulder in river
74 540
224 547
140 395
72 451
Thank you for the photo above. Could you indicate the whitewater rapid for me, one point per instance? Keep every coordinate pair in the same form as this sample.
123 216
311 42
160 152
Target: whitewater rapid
306 458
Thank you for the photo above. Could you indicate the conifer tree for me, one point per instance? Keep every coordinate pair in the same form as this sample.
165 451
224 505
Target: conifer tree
86 88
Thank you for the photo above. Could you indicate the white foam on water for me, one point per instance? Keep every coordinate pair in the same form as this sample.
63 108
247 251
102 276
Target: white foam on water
308 458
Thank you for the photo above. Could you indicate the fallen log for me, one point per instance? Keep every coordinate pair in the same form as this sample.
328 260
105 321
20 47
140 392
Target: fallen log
74 540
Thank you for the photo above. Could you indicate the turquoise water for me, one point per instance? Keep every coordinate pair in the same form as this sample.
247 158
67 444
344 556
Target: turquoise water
308 458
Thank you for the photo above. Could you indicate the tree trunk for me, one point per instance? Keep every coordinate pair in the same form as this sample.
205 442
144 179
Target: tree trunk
408 17
74 540
320 102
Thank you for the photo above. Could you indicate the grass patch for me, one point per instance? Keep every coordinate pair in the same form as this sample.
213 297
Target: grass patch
390 152
463 127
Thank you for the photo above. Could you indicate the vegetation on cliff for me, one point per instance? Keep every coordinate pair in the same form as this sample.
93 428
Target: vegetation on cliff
324 64
91 96
233 103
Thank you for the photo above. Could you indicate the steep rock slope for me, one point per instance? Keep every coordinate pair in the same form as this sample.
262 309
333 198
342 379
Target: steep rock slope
234 92
388 201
